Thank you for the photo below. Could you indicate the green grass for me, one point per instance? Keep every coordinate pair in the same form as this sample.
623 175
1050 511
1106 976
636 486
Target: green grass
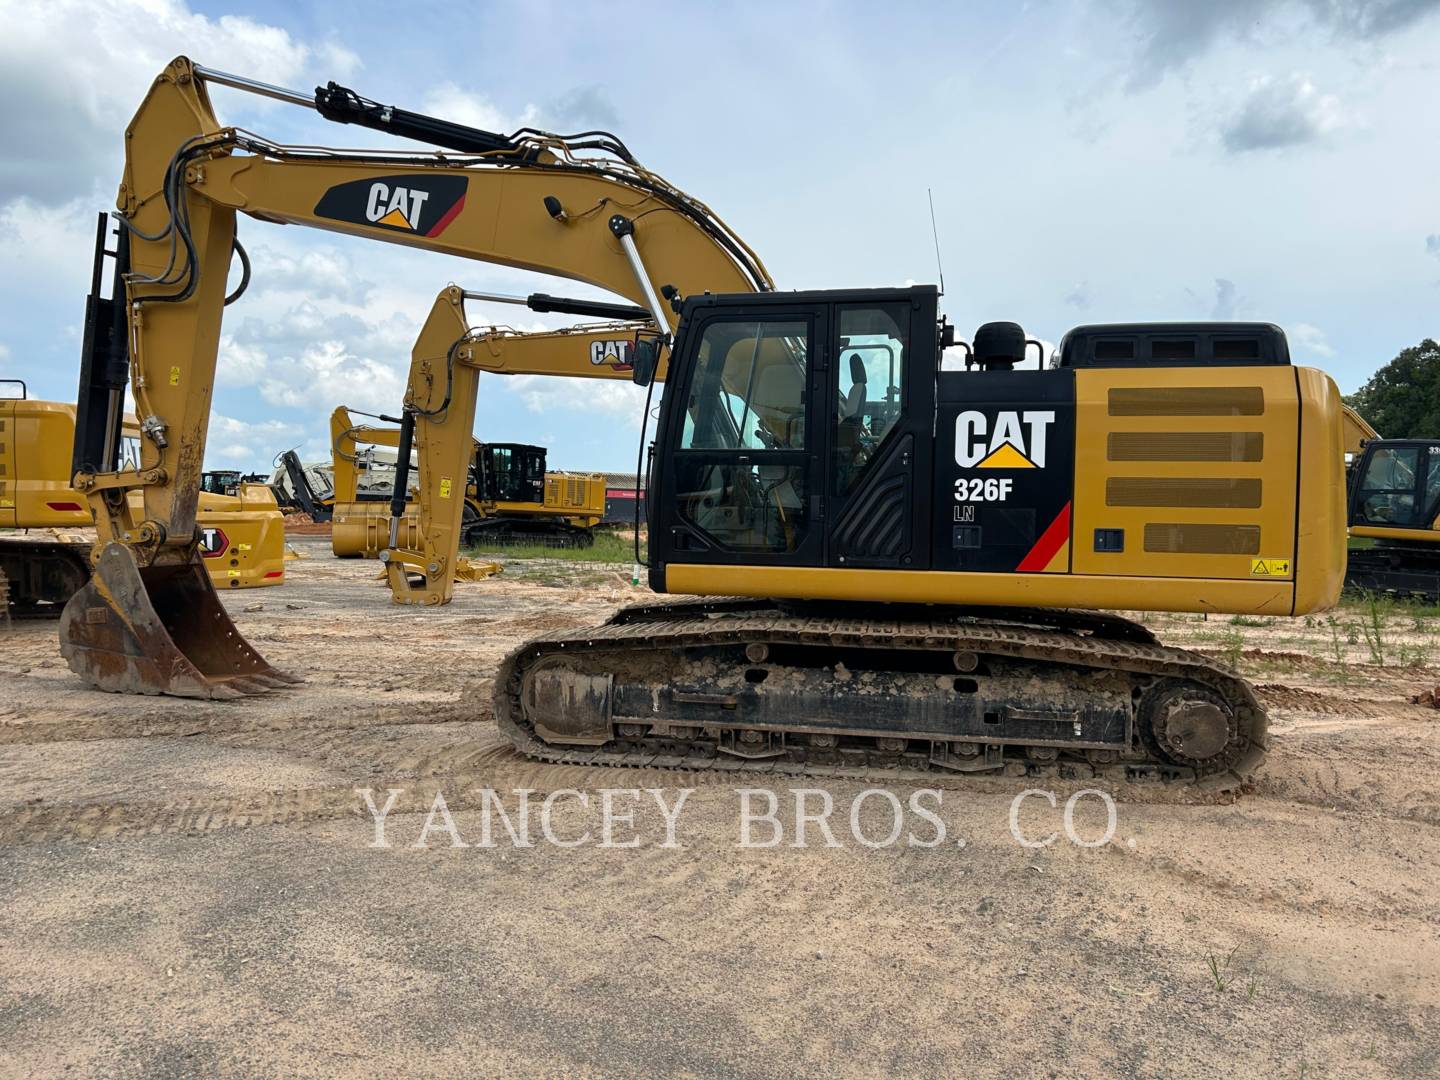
608 548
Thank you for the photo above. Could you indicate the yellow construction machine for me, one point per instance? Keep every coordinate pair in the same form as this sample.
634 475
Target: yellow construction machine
360 506
1394 512
892 565
508 496
242 536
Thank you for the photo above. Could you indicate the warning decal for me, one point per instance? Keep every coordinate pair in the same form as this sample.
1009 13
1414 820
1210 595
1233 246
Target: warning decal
1269 567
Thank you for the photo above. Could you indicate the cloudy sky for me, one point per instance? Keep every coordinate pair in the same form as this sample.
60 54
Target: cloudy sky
1091 161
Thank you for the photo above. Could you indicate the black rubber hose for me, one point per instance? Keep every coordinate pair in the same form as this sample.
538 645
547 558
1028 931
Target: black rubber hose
244 273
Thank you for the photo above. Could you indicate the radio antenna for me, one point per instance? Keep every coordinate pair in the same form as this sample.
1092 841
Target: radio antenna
936 234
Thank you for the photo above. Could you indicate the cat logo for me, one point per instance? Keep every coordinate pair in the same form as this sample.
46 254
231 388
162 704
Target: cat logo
1017 440
612 354
423 204
399 206
213 543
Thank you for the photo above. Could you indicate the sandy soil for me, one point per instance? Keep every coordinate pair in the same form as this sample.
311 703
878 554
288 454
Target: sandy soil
189 889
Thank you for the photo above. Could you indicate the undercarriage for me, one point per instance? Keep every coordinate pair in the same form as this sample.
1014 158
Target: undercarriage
1400 570
844 690
43 574
517 531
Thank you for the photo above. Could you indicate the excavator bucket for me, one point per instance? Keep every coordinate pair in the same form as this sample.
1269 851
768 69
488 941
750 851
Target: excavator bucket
160 630
475 569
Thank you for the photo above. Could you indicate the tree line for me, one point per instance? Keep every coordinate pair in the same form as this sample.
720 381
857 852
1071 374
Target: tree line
1402 399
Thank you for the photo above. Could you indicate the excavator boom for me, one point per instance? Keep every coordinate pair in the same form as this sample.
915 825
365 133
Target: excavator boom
149 621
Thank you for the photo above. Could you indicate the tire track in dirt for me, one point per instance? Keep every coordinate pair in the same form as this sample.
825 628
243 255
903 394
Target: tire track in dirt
1301 699
228 719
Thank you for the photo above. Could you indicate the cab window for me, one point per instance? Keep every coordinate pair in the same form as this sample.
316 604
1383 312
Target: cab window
869 397
741 477
1389 487
748 391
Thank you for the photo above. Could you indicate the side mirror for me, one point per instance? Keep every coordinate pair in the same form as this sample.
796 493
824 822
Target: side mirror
644 361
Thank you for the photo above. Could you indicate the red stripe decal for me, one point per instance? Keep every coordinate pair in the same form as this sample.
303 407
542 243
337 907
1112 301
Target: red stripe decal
275 573
439 226
1051 541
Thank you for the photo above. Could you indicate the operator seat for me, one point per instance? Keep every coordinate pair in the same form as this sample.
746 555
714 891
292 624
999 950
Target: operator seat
855 398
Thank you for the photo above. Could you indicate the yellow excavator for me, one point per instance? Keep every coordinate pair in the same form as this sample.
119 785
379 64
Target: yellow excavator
509 497
1395 510
242 535
890 565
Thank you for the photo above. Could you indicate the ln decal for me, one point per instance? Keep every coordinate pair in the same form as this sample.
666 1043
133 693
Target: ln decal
1016 441
612 354
422 205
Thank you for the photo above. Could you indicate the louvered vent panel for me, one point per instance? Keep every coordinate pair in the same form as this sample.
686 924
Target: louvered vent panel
1195 539
1201 492
1186 446
1187 401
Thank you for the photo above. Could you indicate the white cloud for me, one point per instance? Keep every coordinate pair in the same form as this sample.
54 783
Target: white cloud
327 374
1227 301
462 106
1281 112
246 444
1311 339
47 245
612 397
73 71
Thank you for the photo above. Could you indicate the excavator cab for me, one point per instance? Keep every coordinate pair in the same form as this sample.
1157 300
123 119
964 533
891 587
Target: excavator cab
1397 485
511 472
1395 508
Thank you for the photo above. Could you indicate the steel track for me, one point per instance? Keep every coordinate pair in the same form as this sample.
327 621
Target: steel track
1068 640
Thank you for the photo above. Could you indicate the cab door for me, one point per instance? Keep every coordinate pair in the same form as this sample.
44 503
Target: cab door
880 406
742 484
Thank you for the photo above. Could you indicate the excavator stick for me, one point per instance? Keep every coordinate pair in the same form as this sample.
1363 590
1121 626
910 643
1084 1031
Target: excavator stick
159 630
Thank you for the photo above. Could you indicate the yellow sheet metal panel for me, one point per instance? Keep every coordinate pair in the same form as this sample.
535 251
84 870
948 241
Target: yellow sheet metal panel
244 545
7 464
1199 470
362 529
1251 596
41 436
1320 522
575 493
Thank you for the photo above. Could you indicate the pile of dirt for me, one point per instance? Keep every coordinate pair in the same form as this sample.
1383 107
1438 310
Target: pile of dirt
302 524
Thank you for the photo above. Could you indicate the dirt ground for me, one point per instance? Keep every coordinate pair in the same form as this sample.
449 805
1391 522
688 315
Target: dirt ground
190 889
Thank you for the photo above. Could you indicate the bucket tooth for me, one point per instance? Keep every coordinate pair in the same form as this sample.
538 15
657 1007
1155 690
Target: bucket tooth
156 630
248 685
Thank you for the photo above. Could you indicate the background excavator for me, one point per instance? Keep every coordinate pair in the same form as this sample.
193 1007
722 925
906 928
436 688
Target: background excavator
426 536
1394 505
509 497
876 547
242 535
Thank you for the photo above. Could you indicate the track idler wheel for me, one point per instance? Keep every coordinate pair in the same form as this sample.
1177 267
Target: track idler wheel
1192 725
159 630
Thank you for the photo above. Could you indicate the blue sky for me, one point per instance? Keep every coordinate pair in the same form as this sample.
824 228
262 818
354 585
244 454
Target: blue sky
1091 161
